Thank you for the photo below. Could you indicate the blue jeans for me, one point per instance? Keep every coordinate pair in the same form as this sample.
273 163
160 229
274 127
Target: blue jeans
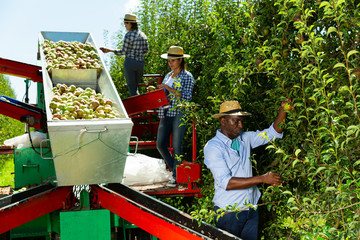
167 126
241 224
133 71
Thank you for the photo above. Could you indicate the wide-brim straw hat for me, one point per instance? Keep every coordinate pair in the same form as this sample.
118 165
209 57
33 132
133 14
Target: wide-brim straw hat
131 18
231 108
175 52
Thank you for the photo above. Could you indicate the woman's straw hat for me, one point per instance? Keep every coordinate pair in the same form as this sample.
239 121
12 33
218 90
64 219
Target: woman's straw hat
131 18
230 108
175 52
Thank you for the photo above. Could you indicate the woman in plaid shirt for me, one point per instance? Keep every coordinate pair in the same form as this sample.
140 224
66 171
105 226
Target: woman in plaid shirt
178 86
135 45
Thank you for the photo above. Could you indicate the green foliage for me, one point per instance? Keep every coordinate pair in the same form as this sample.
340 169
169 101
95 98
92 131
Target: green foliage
260 53
9 128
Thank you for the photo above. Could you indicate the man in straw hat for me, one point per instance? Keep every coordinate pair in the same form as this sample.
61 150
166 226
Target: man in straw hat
135 45
227 155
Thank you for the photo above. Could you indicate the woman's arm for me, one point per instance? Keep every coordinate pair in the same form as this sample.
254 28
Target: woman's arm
127 43
177 93
106 50
170 89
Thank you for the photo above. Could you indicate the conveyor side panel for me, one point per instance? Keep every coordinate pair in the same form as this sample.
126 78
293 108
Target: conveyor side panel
149 221
152 215
23 207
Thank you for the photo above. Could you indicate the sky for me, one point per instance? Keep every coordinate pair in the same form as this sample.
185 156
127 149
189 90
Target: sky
22 20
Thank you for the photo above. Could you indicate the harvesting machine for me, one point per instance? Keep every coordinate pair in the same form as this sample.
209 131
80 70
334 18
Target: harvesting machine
77 170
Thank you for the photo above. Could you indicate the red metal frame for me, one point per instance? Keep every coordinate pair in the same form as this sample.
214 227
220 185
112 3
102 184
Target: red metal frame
150 223
188 172
19 111
189 192
7 150
141 103
25 70
144 124
155 77
33 208
20 69
146 103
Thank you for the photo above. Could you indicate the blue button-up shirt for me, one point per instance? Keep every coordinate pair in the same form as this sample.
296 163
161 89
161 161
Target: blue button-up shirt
225 163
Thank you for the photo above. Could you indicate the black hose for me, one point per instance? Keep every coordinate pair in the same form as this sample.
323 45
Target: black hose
31 142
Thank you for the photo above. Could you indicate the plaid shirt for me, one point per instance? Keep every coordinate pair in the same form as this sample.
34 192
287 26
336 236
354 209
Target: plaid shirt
135 45
184 82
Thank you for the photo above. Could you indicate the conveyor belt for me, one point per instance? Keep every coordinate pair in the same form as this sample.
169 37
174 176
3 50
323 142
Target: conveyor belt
18 198
154 216
146 212
22 207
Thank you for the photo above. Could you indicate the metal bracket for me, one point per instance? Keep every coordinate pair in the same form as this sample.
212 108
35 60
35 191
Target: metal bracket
136 146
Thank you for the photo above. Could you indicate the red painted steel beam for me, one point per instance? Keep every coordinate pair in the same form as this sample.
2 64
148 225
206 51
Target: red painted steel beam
144 129
175 193
20 69
137 215
6 150
19 111
33 208
144 144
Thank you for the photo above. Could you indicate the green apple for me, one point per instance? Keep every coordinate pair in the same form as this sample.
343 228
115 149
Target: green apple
287 107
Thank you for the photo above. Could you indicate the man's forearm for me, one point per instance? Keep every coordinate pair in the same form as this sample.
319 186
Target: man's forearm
279 119
242 183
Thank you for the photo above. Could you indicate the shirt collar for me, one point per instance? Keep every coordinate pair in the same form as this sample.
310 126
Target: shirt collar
223 138
181 72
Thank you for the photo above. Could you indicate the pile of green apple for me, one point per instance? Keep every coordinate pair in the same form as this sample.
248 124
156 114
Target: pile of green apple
71 103
70 55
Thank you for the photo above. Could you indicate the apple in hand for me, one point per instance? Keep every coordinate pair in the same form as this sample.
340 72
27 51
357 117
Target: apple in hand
287 107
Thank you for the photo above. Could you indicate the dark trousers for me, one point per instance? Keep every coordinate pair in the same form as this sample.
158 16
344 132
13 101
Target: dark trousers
241 224
133 71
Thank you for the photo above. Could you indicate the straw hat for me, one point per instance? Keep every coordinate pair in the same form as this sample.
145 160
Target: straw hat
131 18
175 52
230 108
